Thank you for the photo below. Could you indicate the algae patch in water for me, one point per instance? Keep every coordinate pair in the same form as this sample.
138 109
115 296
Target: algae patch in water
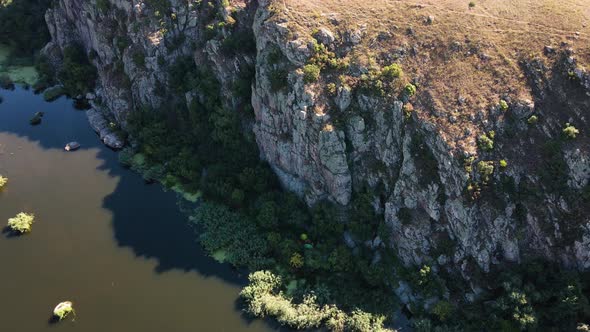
16 69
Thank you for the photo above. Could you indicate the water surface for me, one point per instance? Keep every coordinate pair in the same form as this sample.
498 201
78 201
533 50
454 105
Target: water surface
116 247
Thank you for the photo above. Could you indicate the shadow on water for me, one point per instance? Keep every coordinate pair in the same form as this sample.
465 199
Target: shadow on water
9 233
152 225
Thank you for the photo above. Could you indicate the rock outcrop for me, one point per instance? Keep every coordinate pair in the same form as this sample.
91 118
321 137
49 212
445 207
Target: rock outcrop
104 129
447 201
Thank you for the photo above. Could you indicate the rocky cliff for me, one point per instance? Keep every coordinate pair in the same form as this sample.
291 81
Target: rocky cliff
473 145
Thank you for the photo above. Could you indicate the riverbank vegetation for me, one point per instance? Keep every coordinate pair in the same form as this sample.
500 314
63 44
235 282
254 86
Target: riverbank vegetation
317 280
303 272
3 181
247 219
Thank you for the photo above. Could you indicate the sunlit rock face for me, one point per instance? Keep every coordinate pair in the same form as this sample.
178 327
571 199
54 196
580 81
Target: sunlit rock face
422 165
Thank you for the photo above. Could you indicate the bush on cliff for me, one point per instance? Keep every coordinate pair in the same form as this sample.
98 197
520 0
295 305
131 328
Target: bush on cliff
311 73
77 75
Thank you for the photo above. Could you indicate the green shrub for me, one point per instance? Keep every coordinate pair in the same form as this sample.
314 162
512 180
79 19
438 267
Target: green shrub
331 89
183 75
122 42
372 84
443 310
240 42
503 163
279 79
223 229
471 4
274 56
3 181
78 75
103 6
485 169
503 105
361 321
138 58
533 119
570 131
263 298
126 156
268 215
392 71
311 73
410 90
21 223
486 142
296 261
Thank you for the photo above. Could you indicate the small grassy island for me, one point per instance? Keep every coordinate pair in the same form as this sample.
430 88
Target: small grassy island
22 223
63 309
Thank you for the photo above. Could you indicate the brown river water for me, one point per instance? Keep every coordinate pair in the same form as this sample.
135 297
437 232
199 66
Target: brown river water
116 247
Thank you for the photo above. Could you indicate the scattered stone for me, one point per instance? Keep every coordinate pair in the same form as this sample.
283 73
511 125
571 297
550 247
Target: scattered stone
485 57
324 36
430 19
354 37
549 50
348 240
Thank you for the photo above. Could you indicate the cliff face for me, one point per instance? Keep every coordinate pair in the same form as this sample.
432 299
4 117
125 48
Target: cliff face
450 199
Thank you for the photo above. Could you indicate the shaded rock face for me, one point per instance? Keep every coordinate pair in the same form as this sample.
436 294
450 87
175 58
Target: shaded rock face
440 207
132 45
104 130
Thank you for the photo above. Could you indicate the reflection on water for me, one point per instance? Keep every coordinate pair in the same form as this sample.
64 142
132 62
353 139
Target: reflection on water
116 247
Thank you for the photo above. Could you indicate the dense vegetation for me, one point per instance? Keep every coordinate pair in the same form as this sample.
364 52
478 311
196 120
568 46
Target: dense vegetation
307 277
248 220
23 25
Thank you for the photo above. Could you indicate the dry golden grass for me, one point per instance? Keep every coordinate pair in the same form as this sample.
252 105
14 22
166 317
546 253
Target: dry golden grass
492 37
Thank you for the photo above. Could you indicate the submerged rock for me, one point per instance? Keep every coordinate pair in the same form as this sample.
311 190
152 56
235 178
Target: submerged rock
36 119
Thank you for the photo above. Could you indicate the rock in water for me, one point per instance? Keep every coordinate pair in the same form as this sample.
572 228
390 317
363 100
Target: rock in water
72 146
36 119
101 126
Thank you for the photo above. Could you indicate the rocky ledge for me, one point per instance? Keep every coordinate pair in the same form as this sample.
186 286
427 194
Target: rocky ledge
104 130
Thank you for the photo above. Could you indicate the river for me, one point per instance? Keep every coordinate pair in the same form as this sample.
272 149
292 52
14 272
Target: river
115 246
